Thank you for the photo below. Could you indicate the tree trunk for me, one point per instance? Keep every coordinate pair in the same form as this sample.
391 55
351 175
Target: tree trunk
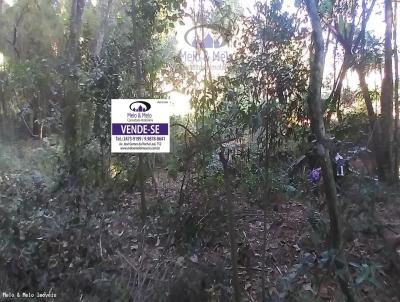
105 8
337 91
267 199
366 96
71 88
143 208
318 129
317 124
386 119
140 93
3 113
374 125
231 228
35 117
396 97
77 7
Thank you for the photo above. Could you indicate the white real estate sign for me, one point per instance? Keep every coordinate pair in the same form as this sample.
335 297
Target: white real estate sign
140 126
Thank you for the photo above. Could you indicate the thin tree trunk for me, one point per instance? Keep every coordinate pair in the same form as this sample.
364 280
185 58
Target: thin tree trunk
396 97
317 124
105 8
35 117
143 209
232 234
337 91
267 195
140 94
77 7
374 125
387 99
366 96
318 128
3 113
264 291
71 88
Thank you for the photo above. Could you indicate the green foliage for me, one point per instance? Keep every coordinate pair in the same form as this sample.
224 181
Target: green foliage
39 30
371 57
43 158
353 124
250 179
172 166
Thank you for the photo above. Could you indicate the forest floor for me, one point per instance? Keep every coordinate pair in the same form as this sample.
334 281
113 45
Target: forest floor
85 242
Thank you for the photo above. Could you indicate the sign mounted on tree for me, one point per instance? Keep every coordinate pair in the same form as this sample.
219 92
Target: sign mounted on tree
140 126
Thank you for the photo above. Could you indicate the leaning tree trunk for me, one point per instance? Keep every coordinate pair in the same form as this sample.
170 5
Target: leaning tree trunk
318 129
337 90
71 89
386 120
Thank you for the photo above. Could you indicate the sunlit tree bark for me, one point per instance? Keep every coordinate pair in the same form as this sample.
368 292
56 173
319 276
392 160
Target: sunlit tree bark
386 100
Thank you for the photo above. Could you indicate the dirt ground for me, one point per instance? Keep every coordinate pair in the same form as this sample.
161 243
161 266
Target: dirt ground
88 240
